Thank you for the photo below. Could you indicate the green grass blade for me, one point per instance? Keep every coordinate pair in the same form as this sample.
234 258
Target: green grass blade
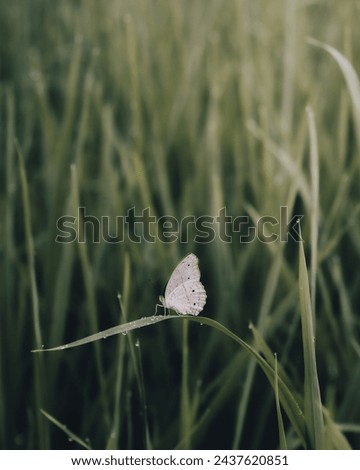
282 437
264 349
312 399
314 172
70 434
38 362
135 355
30 247
115 330
9 259
113 439
288 402
290 49
287 399
351 78
334 438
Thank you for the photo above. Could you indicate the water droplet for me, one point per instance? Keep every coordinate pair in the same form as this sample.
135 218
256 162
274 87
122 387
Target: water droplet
124 333
137 344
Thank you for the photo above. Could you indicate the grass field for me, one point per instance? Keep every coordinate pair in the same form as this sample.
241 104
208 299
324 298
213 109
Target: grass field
182 109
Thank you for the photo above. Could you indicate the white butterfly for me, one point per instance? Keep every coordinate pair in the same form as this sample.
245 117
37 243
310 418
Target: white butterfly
184 292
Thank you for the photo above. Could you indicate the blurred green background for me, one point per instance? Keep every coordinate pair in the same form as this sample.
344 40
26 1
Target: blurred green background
184 107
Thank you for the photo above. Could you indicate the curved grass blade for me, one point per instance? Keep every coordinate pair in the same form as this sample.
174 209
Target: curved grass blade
263 348
288 402
351 78
115 330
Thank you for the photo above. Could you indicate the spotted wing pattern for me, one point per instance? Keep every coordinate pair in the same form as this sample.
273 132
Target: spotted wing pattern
184 292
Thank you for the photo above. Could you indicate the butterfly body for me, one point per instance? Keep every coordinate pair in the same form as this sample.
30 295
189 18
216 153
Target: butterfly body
184 292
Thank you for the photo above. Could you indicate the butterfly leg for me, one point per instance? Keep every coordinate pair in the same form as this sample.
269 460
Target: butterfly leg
160 305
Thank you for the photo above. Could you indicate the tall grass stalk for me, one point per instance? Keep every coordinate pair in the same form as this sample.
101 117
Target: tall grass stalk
282 437
312 398
9 250
42 426
118 414
314 172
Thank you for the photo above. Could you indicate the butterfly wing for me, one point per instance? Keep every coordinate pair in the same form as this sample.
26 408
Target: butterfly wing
188 298
184 292
186 270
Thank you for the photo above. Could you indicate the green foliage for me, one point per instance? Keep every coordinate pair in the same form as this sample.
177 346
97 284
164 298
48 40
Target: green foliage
181 107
